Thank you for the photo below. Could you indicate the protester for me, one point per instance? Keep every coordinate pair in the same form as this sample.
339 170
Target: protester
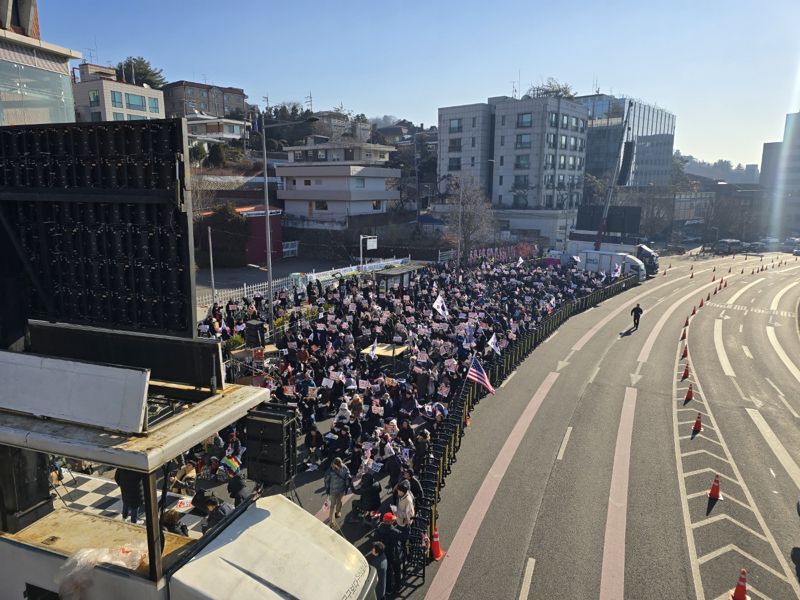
392 538
377 558
337 483
131 486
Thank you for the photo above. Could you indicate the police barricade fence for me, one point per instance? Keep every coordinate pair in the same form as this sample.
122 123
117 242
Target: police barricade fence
446 439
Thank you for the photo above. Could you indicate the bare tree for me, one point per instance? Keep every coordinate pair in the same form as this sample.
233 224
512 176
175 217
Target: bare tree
470 221
552 88
204 193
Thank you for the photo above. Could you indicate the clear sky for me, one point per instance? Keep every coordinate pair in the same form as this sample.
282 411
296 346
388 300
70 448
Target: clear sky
727 68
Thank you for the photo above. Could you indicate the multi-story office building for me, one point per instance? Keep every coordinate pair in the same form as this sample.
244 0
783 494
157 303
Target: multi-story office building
35 86
780 178
100 97
651 128
527 155
187 97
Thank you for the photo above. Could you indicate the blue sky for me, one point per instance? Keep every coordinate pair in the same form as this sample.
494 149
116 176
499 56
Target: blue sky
727 69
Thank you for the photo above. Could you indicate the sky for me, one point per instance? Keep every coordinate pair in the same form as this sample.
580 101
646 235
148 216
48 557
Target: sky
728 69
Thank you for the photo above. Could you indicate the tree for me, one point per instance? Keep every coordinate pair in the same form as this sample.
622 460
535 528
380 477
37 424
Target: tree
197 153
138 69
470 221
552 88
678 179
594 190
360 118
216 156
229 234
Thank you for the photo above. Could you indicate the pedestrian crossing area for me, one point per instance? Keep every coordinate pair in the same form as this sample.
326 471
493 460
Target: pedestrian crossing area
758 311
101 497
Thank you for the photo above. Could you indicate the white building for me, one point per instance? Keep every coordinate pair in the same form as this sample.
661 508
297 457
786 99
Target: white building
100 97
326 183
206 129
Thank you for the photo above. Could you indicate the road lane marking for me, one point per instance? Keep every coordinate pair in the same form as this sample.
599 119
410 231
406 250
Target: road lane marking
733 547
564 444
778 449
551 336
746 350
782 399
735 297
773 339
718 518
612 577
509 378
774 387
740 328
594 374
777 299
525 590
447 575
720 347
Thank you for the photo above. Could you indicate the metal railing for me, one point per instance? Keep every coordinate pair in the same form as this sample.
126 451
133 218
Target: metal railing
447 440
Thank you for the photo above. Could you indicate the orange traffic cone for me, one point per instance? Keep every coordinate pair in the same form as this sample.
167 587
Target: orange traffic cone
685 372
752 271
740 591
762 259
702 302
691 267
715 291
721 281
713 278
694 311
683 335
685 351
726 284
689 394
436 549
708 297
714 492
692 275
686 322
698 425
665 272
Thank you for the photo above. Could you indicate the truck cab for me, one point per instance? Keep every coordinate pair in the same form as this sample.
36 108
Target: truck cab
649 257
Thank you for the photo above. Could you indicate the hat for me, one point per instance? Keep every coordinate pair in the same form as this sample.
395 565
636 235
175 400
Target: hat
404 485
388 517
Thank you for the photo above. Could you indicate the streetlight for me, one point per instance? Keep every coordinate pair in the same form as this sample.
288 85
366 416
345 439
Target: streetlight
264 126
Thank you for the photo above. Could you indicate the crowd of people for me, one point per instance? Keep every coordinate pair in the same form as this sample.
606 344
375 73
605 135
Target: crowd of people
384 409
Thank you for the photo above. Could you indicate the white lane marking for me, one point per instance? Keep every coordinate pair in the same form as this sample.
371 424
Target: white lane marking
525 590
594 374
774 387
775 445
788 407
551 336
723 356
722 314
740 328
777 299
772 472
747 353
564 444
773 339
509 378
735 297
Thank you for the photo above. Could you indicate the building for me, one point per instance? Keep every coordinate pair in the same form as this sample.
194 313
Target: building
35 86
528 156
183 98
780 179
651 128
100 97
326 183
335 126
208 129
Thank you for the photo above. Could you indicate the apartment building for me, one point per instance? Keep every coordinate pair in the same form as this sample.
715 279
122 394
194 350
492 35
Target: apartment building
35 86
187 97
780 179
328 182
100 97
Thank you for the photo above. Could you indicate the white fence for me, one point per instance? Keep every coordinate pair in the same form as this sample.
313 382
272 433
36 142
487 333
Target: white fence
445 255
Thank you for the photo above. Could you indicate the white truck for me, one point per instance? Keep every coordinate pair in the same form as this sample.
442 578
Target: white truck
599 261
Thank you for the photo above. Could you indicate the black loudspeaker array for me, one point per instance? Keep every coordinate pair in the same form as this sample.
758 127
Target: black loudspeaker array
254 334
271 442
628 152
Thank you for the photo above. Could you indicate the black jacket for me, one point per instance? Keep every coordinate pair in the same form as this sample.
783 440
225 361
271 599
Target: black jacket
370 493
237 490
131 486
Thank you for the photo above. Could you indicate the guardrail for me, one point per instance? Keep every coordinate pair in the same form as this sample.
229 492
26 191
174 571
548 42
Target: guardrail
447 440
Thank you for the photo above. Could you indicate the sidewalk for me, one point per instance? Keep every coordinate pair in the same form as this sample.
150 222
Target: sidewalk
236 277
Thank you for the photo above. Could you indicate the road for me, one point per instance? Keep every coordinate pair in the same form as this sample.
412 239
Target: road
581 477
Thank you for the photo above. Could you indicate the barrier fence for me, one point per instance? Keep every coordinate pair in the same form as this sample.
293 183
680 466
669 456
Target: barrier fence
446 442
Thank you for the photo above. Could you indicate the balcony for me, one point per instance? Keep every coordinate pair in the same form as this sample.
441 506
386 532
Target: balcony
522 145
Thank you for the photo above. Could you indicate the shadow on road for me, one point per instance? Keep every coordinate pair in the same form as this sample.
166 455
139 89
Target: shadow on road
711 504
627 332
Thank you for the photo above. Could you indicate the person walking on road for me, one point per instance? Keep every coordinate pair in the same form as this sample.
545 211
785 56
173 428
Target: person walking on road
636 312
337 483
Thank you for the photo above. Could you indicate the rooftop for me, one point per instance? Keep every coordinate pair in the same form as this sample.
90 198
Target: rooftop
205 86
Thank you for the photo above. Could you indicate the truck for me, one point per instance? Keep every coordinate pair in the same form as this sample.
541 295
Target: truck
606 261
123 416
644 253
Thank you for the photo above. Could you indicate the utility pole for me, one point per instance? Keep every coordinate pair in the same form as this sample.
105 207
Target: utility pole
416 172
268 232
211 264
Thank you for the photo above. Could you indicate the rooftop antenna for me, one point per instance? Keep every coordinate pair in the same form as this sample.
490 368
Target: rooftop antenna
90 54
513 89
205 79
310 102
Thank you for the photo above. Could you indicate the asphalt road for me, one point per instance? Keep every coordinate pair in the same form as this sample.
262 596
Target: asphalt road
580 478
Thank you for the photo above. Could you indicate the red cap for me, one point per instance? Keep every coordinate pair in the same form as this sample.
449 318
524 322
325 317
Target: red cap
388 517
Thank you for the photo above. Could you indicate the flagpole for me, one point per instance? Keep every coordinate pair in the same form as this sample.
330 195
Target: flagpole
463 385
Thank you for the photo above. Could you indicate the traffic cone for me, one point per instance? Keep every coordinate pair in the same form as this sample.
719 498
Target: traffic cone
714 492
714 270
686 322
685 351
689 394
729 269
721 281
670 266
740 591
683 335
436 549
702 300
698 425
752 271
665 272
692 275
691 267
685 372
694 311
726 284
713 278
708 297
715 291
742 273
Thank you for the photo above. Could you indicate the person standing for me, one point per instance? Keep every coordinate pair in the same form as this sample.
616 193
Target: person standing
405 508
376 558
337 483
131 487
636 313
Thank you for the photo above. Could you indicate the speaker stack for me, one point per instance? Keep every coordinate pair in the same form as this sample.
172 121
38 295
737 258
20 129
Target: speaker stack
271 443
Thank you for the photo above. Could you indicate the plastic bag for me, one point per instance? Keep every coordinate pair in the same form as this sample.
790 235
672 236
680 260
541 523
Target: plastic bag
75 575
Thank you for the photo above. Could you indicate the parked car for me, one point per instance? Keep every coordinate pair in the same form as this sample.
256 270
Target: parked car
756 247
796 251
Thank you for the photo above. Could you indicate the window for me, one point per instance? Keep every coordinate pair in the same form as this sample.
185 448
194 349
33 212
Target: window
524 120
472 161
323 155
562 161
581 143
580 163
548 180
94 98
548 200
190 92
500 180
551 140
473 142
549 161
377 205
573 142
203 94
521 182
294 181
474 120
564 121
502 140
95 117
320 205
571 162
523 140
135 102
360 183
562 142
454 164
306 182
136 118
454 145
500 198
382 155
522 161
203 106
455 125
116 99
318 182
574 122
501 161
553 119
119 116
298 155
561 182
582 125
153 104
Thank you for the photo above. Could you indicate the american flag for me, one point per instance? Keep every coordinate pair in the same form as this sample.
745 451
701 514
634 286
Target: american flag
478 375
